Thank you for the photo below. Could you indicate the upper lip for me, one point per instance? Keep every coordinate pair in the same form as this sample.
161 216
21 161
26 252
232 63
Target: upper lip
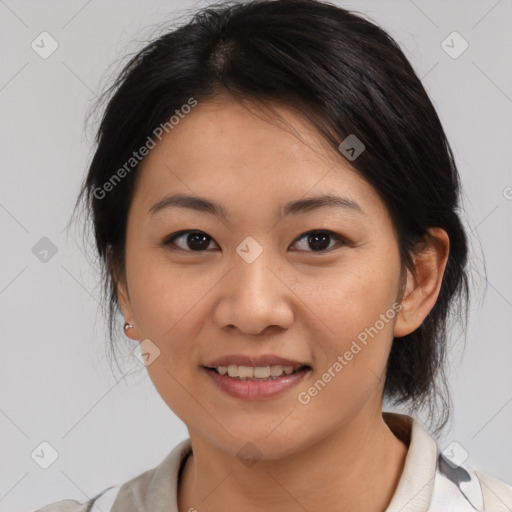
244 360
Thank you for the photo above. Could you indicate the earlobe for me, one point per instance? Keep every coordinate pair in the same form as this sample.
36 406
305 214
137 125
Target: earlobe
123 299
423 285
126 310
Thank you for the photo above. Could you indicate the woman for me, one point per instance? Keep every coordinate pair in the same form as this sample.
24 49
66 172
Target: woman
275 203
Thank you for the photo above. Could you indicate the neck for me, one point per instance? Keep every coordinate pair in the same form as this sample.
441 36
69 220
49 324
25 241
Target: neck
357 468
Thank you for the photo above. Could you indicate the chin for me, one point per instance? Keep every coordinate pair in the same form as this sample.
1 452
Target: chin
265 441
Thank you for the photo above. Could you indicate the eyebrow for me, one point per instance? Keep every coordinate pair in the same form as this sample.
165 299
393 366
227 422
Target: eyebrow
300 206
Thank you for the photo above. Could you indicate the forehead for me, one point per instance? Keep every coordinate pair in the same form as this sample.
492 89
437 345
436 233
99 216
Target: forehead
246 154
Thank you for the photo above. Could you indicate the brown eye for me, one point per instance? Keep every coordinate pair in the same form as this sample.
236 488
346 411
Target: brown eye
191 241
198 241
319 240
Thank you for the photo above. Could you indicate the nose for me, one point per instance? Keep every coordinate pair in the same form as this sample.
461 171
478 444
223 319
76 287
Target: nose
254 297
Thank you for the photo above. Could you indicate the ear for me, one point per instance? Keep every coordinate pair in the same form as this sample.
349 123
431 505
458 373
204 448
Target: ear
422 287
123 297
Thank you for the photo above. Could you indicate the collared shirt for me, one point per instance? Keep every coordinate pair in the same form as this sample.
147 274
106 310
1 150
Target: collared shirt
431 481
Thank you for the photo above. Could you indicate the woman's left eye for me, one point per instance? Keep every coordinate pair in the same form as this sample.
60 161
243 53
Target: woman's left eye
198 241
318 239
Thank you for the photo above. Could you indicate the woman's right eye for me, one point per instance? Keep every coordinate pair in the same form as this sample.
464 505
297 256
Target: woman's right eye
191 241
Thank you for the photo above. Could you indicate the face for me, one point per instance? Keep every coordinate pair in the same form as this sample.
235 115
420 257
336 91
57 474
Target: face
312 286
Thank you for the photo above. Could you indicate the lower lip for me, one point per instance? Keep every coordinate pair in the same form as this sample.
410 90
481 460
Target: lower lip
255 389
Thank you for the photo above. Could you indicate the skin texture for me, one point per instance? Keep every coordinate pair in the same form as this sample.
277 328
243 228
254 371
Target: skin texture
335 452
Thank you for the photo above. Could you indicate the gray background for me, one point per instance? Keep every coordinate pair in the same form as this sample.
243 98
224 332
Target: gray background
56 382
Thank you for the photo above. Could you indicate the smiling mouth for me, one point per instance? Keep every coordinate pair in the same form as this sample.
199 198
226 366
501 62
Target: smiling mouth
257 373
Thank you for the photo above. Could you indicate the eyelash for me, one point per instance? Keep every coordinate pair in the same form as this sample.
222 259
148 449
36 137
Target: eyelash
168 241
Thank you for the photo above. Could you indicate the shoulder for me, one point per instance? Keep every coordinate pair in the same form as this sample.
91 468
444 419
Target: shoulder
497 494
146 491
101 502
437 481
461 484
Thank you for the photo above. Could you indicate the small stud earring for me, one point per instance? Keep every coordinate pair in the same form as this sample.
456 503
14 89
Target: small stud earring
127 326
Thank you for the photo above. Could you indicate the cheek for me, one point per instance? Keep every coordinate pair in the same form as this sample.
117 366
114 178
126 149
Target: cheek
167 303
349 300
358 315
163 294
358 310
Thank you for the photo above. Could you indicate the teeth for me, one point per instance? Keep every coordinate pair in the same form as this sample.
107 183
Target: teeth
276 370
243 372
258 372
